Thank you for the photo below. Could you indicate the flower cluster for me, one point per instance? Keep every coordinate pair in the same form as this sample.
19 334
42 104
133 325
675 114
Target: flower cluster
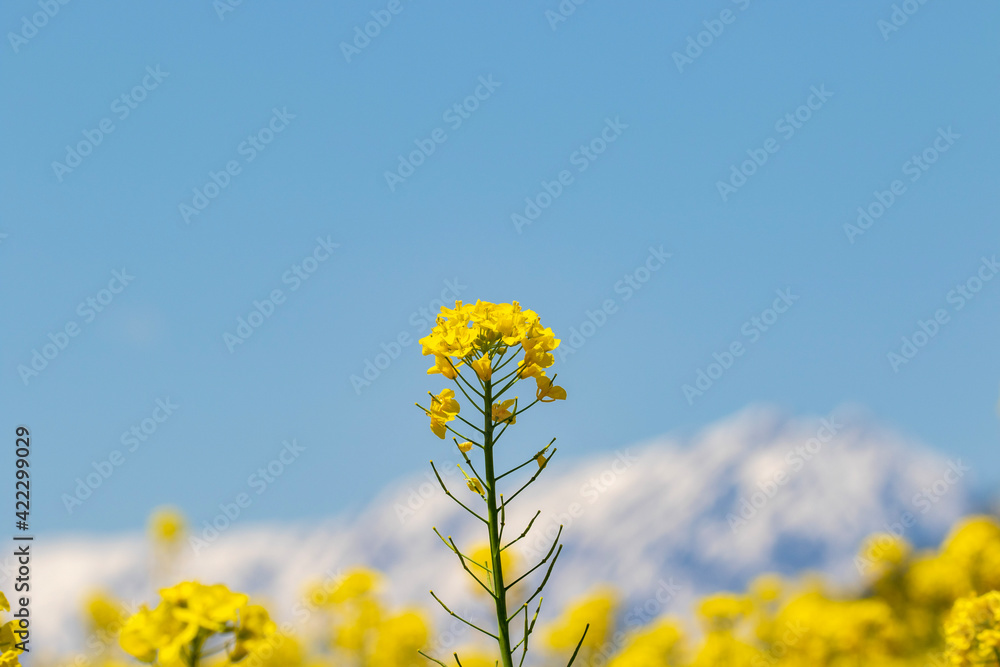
973 631
177 631
485 337
916 609
360 630
927 608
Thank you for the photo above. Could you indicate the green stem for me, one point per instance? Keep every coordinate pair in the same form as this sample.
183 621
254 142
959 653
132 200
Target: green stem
499 588
195 653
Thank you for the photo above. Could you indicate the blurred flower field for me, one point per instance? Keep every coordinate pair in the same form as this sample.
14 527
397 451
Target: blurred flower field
927 608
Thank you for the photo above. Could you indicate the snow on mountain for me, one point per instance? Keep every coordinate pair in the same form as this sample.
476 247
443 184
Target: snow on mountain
663 521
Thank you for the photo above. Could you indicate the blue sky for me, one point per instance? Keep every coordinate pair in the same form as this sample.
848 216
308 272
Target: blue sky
206 92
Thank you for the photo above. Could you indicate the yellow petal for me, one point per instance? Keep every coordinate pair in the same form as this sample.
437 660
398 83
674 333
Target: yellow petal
483 367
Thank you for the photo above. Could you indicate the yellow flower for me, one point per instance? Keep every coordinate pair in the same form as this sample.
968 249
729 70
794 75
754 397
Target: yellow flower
483 367
166 526
465 447
186 611
481 566
885 548
211 607
254 632
8 640
767 587
398 639
105 612
356 584
451 336
548 392
597 609
722 647
4 605
972 630
475 486
722 610
480 336
443 409
485 327
657 644
974 547
937 580
502 413
537 348
528 370
444 366
541 460
281 650
147 631
359 620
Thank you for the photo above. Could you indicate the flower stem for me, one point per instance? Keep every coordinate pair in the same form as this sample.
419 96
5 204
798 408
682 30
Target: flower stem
195 654
499 588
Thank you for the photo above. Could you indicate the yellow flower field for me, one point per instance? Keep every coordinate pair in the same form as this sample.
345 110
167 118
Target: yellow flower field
917 608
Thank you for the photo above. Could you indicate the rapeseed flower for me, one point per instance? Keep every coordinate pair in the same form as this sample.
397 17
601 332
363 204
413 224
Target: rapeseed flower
443 409
502 411
486 337
187 615
166 526
972 631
